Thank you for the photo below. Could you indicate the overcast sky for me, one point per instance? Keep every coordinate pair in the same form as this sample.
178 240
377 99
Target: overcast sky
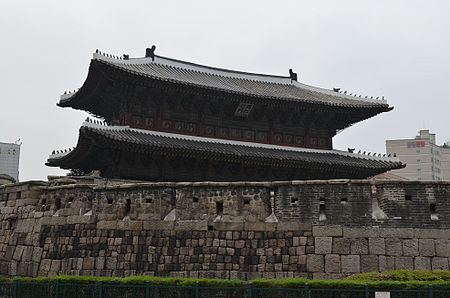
396 49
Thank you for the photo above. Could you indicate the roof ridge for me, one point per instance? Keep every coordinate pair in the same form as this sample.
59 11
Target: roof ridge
200 68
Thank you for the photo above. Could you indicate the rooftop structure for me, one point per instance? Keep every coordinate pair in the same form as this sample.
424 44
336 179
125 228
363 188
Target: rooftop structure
166 119
424 159
9 159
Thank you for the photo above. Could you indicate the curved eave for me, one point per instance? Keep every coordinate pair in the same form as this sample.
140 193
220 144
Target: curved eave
142 142
99 68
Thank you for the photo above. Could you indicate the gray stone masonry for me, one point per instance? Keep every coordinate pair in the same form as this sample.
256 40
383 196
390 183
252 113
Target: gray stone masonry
91 226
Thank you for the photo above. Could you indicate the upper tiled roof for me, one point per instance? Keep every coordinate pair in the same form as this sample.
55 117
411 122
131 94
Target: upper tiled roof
237 151
236 82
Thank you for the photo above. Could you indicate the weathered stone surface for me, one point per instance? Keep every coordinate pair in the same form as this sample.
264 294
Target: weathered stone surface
117 229
426 248
332 263
37 253
315 263
377 246
393 247
18 252
422 263
341 246
350 264
410 247
442 247
439 263
359 246
432 233
353 232
323 245
369 263
386 263
329 230
404 263
397 232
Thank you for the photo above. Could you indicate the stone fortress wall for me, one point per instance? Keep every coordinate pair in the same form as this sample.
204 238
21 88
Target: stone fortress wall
319 229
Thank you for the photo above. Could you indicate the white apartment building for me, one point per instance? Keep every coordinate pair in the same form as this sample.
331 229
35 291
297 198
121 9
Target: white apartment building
9 159
424 159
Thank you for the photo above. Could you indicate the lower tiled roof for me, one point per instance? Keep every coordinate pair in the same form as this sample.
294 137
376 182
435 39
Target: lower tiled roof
137 140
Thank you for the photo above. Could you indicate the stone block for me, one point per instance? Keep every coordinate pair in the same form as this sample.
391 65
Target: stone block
130 225
315 263
80 219
386 263
432 233
107 225
88 263
27 255
99 263
351 232
323 245
37 254
293 226
397 232
442 247
327 231
369 263
359 246
439 263
426 248
228 226
18 253
332 263
422 263
377 246
404 263
191 225
410 247
341 246
55 266
393 247
350 264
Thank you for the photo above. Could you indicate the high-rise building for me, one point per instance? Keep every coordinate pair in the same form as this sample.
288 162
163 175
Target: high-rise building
9 159
424 159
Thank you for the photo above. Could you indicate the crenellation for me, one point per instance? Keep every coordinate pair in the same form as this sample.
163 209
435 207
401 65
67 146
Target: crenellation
220 229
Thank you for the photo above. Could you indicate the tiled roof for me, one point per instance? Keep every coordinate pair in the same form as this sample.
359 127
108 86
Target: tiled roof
235 151
235 82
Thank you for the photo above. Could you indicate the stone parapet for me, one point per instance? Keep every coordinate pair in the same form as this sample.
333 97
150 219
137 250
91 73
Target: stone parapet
317 229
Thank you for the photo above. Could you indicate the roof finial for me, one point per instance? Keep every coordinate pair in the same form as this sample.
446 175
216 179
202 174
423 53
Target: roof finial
150 52
292 75
336 89
126 56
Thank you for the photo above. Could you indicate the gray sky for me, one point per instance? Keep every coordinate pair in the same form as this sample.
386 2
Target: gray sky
399 49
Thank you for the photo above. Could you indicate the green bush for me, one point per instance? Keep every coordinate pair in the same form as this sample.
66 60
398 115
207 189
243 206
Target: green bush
400 279
403 275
